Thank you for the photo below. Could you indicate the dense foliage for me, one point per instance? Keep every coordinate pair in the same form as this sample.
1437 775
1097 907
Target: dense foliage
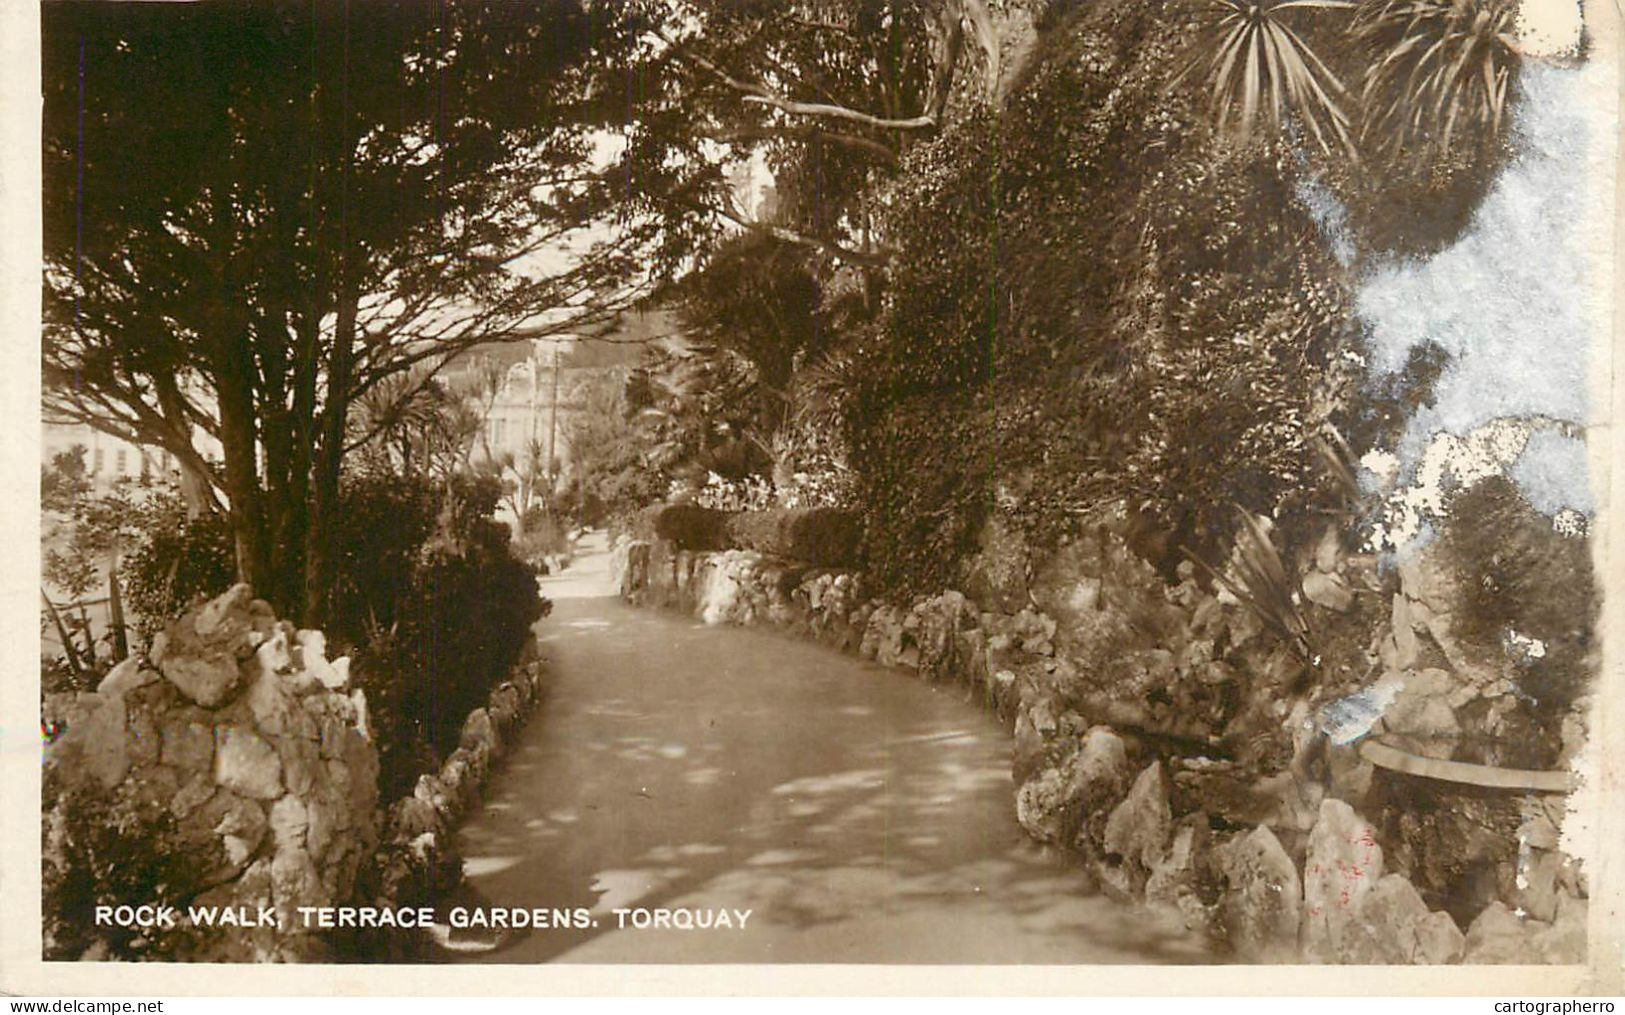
692 527
822 536
106 847
1161 335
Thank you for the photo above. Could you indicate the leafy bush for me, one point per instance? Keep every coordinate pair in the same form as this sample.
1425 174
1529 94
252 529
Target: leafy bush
821 536
692 527
1516 574
542 535
177 560
638 524
461 626
104 847
382 523
1097 299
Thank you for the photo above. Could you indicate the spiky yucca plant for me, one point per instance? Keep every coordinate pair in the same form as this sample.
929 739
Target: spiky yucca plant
1259 578
1438 67
1257 65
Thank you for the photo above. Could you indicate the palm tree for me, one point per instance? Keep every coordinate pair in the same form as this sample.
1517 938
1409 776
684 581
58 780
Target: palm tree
1257 64
1438 67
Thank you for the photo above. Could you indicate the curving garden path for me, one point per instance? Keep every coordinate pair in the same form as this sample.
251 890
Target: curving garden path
860 815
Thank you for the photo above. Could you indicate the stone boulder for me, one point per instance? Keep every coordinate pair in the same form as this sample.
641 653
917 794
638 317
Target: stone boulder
1500 936
245 764
1344 862
1177 881
1397 928
1136 835
1067 801
202 650
1262 906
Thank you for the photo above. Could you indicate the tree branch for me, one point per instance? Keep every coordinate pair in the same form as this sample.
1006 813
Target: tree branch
761 95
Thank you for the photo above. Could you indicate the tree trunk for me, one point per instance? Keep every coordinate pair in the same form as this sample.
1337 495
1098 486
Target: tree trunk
319 543
239 438
115 611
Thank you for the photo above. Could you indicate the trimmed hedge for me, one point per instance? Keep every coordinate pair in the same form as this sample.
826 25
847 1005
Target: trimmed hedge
692 527
822 536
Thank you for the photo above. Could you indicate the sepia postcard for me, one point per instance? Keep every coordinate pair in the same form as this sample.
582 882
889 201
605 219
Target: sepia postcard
703 496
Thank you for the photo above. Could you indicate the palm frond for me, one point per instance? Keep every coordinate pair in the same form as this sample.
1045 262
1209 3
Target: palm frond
1258 577
1438 68
1258 66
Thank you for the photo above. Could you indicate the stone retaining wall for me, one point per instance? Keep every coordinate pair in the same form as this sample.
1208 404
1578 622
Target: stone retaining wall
418 861
233 770
240 751
1159 733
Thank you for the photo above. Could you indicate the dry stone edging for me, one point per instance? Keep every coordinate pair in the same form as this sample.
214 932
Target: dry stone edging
417 861
258 747
264 767
1075 786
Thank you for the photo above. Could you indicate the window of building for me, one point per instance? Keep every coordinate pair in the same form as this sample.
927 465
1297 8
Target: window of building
121 462
96 462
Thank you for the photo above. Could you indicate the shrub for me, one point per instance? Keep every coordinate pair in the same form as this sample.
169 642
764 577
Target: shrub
382 523
104 847
542 535
822 536
461 624
1097 299
692 527
175 561
638 524
1516 574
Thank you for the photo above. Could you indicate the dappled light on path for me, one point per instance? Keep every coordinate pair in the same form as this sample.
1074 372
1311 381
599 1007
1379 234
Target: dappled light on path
858 814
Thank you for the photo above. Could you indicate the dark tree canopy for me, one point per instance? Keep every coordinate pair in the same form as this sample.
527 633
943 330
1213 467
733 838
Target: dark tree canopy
256 213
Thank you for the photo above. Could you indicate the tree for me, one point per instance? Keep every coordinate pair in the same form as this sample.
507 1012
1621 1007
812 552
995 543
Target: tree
756 298
831 94
1438 69
256 214
611 471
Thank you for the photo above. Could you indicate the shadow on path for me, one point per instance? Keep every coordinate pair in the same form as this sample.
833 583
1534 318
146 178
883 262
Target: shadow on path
861 816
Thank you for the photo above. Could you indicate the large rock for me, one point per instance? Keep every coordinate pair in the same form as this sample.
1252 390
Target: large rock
1262 906
208 679
1176 881
100 743
240 826
202 650
1501 937
186 743
1398 928
290 823
1067 800
125 677
1421 718
478 729
1136 835
1344 862
244 763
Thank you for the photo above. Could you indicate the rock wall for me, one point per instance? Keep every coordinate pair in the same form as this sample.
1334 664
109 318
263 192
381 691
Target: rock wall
232 770
417 861
237 750
1198 761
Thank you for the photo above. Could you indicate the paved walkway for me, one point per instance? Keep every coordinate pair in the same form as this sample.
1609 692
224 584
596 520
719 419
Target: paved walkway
858 814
